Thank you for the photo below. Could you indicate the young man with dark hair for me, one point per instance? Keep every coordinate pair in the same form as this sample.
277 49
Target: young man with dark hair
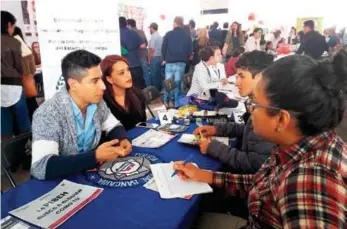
13 104
312 43
143 51
176 49
215 35
193 32
154 58
132 42
67 128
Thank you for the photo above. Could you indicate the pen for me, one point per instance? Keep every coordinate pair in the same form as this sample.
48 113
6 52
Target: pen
188 159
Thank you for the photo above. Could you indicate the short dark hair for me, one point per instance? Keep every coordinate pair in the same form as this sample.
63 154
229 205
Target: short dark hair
257 30
238 51
215 25
309 23
6 17
132 23
255 61
205 53
154 26
192 23
225 25
310 91
122 22
76 64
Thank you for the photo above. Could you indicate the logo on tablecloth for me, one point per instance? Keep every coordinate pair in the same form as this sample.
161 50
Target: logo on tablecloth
125 172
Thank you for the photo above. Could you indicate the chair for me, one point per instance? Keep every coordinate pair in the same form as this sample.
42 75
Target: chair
13 153
187 82
151 93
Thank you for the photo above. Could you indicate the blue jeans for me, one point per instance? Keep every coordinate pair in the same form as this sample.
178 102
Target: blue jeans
144 65
15 118
155 68
176 71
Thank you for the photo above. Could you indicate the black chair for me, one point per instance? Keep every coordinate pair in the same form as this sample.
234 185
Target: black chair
151 93
187 82
15 152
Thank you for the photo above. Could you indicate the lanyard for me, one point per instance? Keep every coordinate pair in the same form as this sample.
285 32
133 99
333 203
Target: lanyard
209 73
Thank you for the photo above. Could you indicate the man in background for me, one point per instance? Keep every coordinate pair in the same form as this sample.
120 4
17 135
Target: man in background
215 35
176 49
131 43
143 51
154 57
193 32
276 38
313 43
224 32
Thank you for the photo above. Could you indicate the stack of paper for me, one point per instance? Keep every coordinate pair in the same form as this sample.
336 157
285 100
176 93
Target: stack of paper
174 187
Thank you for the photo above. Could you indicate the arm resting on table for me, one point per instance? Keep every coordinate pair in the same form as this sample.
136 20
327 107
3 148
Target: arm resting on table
230 129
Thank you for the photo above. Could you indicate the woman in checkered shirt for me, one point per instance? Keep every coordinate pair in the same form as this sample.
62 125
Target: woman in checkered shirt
297 104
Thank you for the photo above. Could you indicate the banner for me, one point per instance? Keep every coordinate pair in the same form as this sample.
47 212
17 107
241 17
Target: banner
58 205
318 23
63 28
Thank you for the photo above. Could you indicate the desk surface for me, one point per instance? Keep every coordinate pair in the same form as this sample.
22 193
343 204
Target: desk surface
133 207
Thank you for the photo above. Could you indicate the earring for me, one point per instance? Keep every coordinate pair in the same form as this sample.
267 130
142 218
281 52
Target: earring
278 129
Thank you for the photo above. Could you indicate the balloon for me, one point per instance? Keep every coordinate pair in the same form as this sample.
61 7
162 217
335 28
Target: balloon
162 17
261 22
251 17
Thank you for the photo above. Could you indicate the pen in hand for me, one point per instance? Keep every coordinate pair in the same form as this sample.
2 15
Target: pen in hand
186 161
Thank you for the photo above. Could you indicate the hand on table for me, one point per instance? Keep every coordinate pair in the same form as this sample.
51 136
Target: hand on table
205 131
126 145
190 171
108 151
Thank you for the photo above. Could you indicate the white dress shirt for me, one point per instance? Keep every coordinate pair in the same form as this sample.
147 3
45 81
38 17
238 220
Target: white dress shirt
252 44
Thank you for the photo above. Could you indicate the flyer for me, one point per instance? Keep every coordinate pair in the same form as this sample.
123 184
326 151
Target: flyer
152 139
58 205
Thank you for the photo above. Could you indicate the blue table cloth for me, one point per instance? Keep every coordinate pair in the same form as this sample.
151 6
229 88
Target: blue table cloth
123 208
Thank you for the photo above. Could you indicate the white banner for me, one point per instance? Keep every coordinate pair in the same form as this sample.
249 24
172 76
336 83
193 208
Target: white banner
67 26
58 205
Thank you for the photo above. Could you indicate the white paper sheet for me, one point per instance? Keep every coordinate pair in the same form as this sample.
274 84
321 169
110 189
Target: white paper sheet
192 140
152 139
174 187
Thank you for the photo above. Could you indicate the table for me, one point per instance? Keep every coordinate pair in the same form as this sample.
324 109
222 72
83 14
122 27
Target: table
123 208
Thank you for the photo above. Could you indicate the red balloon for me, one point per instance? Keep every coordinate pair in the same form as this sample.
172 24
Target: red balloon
251 17
261 22
162 16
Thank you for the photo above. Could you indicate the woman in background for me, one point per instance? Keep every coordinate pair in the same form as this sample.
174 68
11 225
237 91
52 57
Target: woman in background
126 103
37 56
202 41
292 39
230 68
253 42
234 39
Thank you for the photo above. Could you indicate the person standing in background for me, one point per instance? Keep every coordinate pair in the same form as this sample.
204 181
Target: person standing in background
233 40
201 42
215 35
225 32
154 57
131 43
28 66
253 42
35 47
176 50
313 43
143 51
193 32
14 109
275 39
292 39
331 38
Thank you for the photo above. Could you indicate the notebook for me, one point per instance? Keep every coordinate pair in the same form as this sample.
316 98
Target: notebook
174 187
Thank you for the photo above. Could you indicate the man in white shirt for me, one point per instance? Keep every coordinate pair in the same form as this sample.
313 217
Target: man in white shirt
154 57
253 42
209 73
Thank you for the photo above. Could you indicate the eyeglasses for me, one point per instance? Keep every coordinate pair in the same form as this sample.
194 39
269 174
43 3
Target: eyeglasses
252 106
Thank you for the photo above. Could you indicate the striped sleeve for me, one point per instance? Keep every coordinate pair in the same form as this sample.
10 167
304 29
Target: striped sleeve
235 184
313 198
